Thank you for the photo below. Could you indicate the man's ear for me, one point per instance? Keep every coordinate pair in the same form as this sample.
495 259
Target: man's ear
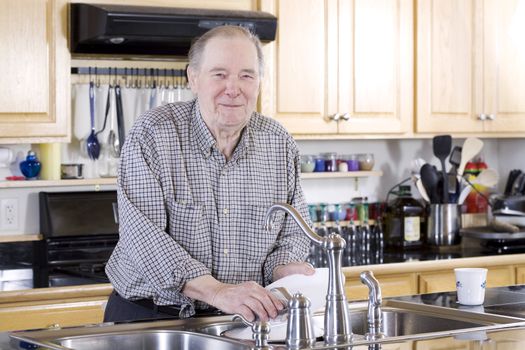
192 79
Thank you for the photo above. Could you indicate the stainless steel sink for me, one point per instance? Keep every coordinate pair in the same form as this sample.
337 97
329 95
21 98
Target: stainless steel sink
401 320
146 340
398 320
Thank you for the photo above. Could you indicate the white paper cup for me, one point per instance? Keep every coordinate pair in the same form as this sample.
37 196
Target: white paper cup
470 285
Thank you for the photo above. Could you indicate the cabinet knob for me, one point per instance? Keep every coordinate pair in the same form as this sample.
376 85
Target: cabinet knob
345 116
482 116
491 116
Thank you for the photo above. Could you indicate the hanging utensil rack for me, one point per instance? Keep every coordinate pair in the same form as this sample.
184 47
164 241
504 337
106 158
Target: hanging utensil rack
147 72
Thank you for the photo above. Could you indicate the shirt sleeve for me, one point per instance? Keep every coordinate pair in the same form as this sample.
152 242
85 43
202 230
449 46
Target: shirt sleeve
162 262
292 245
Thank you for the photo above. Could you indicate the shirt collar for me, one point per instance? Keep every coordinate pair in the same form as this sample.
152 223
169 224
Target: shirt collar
203 136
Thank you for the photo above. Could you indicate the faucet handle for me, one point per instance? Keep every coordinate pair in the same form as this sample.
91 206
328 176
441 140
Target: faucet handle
260 331
300 329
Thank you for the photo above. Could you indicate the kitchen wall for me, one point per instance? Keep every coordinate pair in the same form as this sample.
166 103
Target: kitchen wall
392 157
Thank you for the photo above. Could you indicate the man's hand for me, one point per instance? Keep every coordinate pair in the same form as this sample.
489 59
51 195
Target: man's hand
248 299
303 268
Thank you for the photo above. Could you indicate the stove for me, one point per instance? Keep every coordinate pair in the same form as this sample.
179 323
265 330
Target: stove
80 231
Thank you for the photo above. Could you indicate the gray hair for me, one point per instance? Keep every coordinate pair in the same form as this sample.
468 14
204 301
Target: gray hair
227 31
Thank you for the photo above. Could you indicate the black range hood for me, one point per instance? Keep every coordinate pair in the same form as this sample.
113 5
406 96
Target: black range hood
143 30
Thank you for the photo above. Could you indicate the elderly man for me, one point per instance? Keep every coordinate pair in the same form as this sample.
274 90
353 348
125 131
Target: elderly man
194 185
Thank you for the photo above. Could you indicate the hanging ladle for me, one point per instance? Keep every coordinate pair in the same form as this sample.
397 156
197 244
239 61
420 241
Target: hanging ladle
93 146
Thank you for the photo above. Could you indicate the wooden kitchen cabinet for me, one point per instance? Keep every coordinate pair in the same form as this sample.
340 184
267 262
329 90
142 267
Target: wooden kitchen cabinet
520 274
470 71
443 281
53 307
392 285
340 66
34 66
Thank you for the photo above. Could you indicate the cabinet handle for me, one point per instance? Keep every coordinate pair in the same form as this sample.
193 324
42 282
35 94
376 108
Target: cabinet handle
482 116
334 117
491 116
345 116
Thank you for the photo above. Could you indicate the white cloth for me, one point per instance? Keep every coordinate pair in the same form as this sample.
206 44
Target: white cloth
314 287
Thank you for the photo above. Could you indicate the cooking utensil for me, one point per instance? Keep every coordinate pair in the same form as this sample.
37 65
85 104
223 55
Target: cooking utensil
120 118
455 159
487 177
441 147
430 179
113 141
453 181
422 190
463 194
93 146
470 148
106 111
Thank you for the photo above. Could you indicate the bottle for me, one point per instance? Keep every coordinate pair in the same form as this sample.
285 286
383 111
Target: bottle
31 166
404 220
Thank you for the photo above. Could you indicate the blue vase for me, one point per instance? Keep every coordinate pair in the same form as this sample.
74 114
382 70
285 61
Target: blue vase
31 166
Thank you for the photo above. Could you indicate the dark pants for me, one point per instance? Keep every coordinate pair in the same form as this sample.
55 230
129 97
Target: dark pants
120 309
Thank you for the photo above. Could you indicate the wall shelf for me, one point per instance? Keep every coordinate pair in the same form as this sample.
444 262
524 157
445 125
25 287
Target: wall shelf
58 183
338 175
113 180
19 238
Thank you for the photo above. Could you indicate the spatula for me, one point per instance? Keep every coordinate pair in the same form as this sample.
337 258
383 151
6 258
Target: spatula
470 148
430 179
453 182
441 145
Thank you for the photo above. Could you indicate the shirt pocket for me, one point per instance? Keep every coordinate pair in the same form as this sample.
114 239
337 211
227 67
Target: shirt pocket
189 226
256 240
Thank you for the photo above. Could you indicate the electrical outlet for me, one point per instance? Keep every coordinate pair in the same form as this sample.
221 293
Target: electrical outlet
8 214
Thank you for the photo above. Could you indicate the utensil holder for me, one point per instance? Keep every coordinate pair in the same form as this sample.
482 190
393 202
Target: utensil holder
444 222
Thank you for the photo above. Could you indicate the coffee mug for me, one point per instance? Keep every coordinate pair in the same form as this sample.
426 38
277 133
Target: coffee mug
470 285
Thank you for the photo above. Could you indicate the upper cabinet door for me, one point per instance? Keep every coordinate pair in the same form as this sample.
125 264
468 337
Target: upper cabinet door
301 66
504 65
34 93
448 66
375 76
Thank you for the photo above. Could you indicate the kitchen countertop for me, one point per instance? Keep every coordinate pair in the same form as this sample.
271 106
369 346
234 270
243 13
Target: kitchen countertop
512 337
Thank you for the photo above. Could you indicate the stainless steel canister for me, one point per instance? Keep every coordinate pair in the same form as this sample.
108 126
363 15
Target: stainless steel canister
444 222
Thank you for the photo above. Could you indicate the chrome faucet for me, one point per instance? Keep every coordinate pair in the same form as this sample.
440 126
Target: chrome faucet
337 326
375 317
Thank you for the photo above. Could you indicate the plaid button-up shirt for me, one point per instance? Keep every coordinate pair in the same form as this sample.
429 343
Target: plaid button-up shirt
185 211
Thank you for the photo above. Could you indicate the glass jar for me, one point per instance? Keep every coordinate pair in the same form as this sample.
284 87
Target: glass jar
307 163
319 164
353 162
330 162
342 164
366 161
404 224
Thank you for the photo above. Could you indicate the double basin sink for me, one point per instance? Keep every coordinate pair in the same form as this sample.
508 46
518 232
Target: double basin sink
401 320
